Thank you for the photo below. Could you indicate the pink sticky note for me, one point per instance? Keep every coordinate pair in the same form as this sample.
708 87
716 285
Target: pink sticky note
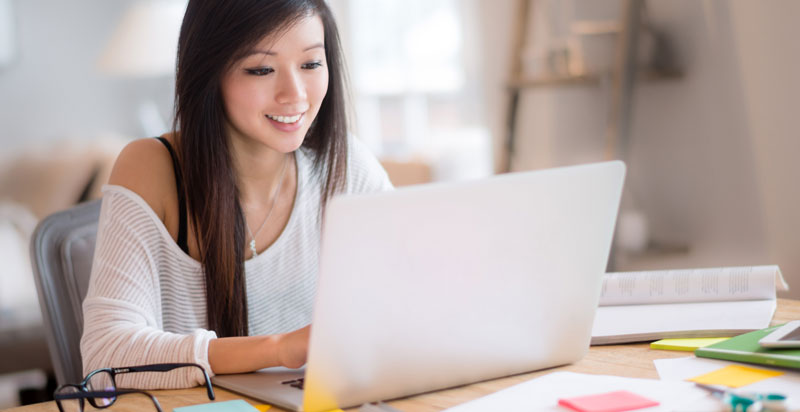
608 402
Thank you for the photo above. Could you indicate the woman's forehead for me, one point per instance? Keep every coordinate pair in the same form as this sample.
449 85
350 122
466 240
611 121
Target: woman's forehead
305 34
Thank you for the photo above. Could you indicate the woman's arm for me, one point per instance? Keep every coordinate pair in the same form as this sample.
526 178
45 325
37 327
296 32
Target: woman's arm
249 353
123 323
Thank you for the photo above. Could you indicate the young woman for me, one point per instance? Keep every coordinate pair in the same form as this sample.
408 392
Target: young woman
208 238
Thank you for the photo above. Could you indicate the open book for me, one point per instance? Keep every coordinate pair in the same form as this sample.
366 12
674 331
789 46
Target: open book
691 303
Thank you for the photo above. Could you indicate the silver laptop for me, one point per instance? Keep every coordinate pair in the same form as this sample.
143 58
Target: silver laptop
440 285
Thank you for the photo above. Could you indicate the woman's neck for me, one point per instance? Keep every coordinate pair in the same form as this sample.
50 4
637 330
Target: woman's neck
259 170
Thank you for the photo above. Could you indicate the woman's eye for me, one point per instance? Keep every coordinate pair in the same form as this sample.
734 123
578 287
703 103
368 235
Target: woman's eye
261 71
312 65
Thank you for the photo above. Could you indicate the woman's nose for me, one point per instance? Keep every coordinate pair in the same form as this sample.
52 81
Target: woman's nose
291 88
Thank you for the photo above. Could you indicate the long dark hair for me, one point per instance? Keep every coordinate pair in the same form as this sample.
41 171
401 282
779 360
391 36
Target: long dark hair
214 35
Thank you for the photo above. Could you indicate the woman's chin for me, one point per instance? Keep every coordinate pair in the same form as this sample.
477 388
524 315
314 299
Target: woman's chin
286 144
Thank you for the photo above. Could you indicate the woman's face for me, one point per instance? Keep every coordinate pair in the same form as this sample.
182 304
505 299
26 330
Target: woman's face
273 94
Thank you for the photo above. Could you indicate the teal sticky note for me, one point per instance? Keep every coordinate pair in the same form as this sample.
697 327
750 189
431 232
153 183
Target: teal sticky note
227 406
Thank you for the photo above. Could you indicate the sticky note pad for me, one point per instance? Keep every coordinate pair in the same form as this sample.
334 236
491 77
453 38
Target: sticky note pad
688 345
227 406
735 376
616 401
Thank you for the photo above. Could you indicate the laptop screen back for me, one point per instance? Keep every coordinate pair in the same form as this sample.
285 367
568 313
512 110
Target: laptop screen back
440 285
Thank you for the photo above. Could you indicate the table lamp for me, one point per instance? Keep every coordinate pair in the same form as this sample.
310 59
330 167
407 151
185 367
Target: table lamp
144 45
7 41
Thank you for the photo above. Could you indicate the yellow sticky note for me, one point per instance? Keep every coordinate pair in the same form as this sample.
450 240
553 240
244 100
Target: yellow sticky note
688 345
735 376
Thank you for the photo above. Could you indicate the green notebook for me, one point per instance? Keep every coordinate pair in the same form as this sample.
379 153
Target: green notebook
745 348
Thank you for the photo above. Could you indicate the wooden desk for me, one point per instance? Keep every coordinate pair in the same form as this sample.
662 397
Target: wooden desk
633 360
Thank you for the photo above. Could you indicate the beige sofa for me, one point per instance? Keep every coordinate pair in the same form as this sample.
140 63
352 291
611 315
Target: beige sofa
35 181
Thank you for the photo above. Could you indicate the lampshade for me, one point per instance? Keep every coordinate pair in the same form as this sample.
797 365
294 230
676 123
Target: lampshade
146 40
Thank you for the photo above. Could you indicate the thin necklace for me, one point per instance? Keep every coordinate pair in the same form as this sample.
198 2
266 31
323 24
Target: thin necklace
271 208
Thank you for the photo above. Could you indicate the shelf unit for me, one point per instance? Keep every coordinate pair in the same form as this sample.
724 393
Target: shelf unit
623 76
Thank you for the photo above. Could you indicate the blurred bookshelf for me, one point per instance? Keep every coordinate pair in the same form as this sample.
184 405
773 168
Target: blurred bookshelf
645 75
625 70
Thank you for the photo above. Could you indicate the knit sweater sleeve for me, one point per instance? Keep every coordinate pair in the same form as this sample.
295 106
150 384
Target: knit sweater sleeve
122 309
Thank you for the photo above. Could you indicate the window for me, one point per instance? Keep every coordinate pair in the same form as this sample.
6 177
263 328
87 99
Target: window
416 84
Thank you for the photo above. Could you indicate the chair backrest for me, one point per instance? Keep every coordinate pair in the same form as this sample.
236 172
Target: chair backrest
61 253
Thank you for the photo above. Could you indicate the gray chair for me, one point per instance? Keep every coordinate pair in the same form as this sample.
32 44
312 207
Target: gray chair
61 252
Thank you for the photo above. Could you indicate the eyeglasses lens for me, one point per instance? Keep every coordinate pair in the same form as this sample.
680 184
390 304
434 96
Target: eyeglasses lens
101 381
70 405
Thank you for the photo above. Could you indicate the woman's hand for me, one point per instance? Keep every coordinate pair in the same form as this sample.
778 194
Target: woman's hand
293 348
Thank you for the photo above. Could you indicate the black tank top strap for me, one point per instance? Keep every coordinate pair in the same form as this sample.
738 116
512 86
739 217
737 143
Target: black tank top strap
182 242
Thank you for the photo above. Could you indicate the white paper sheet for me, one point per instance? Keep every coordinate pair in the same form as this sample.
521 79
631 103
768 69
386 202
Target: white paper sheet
680 369
543 393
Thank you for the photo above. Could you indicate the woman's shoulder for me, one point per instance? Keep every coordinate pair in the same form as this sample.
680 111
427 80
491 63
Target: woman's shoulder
364 172
144 167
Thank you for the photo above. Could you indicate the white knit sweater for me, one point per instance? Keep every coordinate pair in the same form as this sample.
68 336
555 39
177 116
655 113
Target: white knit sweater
146 301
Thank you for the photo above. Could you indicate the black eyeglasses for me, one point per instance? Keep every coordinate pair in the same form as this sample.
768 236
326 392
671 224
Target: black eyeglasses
71 398
100 388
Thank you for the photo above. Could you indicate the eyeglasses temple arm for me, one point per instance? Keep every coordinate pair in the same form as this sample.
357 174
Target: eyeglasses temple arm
166 367
161 367
209 388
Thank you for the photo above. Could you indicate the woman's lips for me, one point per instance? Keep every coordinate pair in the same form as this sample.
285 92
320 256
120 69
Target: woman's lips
280 122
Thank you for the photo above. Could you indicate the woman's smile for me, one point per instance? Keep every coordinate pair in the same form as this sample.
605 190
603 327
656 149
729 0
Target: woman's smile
287 123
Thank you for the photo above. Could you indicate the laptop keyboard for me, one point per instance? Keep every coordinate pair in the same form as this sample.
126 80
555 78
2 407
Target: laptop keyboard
295 383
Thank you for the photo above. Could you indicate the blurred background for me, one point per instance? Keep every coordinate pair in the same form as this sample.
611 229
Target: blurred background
694 95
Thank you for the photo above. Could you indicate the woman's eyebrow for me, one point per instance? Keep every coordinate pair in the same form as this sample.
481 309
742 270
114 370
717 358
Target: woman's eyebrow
314 46
272 53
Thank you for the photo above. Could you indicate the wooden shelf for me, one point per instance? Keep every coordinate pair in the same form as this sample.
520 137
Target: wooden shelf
589 79
555 80
596 27
659 75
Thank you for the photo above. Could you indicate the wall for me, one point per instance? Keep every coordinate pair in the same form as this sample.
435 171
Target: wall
494 39
770 63
691 166
53 90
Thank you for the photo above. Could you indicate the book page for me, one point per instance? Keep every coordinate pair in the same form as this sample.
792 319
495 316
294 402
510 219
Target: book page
690 285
